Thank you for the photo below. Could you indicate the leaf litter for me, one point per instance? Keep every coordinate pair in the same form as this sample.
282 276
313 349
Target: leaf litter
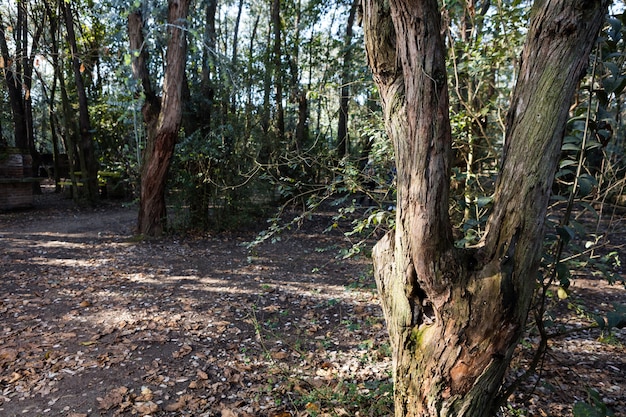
97 323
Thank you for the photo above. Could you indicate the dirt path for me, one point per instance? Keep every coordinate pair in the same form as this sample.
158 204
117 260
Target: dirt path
95 322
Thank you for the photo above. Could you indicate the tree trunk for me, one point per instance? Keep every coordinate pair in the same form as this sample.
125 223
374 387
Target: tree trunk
152 211
14 89
455 315
234 58
88 162
152 104
343 145
278 71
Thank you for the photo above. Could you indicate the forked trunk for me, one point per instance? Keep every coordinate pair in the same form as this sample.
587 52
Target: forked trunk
455 315
152 210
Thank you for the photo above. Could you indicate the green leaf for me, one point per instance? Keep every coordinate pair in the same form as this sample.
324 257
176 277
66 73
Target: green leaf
563 274
484 201
567 163
570 147
582 409
566 233
586 184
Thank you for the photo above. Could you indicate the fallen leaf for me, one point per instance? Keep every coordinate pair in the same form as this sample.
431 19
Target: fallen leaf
312 408
146 395
183 351
228 413
8 355
279 355
113 398
15 376
147 407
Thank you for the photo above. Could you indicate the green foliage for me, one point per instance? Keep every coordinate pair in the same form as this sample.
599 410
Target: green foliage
593 407
371 398
214 185
613 319
485 41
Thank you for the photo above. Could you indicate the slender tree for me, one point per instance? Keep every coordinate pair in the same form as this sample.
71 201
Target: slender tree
278 72
455 315
343 145
14 87
87 157
152 210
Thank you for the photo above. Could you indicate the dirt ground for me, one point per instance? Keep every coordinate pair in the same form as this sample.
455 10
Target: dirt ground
95 322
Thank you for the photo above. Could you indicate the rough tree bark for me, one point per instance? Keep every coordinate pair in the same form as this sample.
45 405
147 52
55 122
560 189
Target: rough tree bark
152 211
152 103
455 315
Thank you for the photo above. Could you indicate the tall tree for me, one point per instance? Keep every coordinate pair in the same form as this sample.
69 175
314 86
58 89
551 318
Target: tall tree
277 28
152 210
87 156
152 103
13 81
455 315
343 144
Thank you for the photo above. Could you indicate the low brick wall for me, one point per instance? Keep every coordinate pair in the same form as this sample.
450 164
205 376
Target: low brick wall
15 194
16 186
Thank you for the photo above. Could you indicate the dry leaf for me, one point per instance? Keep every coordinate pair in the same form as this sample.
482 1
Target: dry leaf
8 355
312 408
228 413
183 351
279 355
202 375
146 395
15 376
146 407
177 406
114 398
281 414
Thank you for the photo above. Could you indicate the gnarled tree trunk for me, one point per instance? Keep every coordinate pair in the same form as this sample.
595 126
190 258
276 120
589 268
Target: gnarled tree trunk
455 315
152 211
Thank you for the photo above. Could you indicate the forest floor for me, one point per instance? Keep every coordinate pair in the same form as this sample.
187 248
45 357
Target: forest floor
95 322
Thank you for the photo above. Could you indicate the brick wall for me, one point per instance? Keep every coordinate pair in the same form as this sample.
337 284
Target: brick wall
15 190
15 194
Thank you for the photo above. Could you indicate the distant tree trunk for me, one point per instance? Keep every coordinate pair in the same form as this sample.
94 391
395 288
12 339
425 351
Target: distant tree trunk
278 71
298 94
208 63
234 58
14 89
267 147
152 210
28 61
88 161
455 315
343 144
248 76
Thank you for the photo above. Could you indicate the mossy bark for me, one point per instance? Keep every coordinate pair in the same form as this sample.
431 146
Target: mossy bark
455 315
